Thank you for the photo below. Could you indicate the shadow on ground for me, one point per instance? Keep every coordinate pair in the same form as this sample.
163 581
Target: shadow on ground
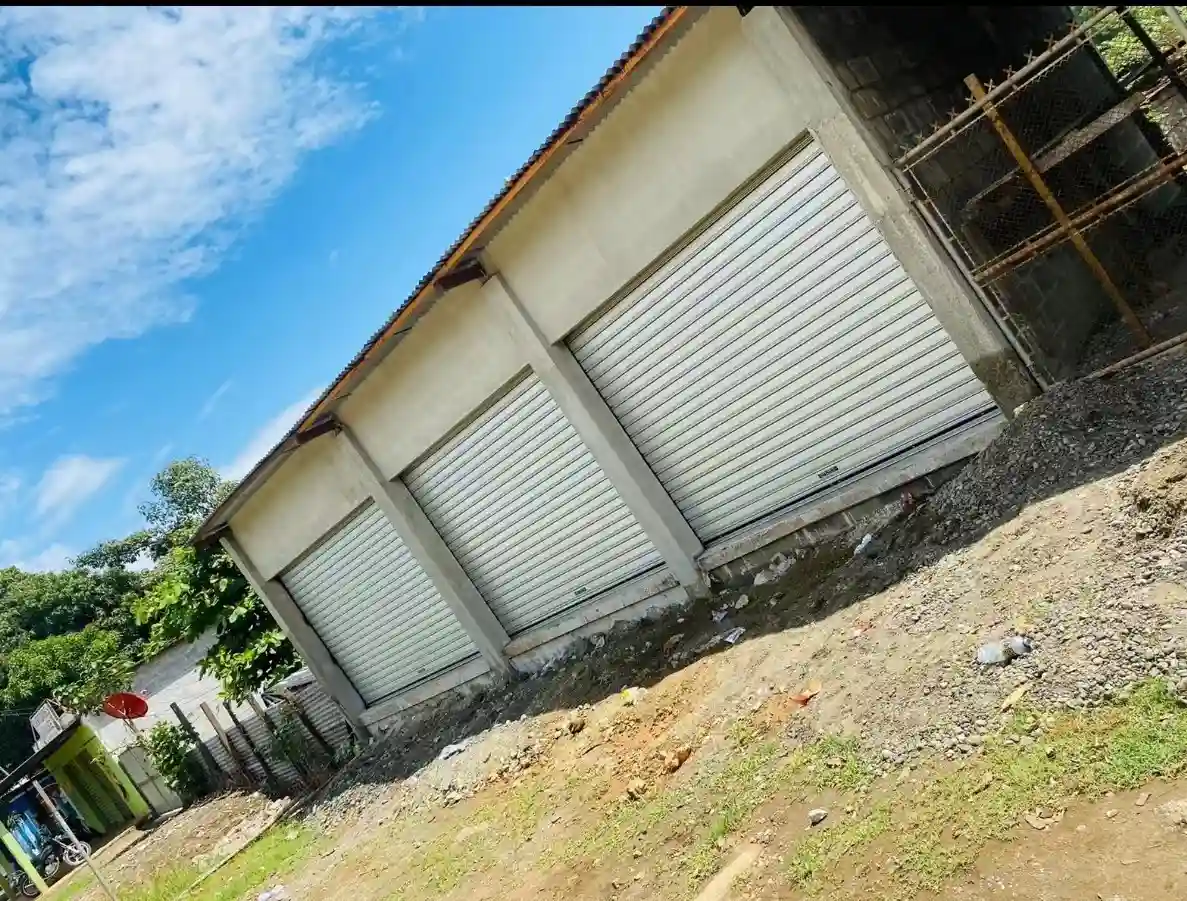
1077 433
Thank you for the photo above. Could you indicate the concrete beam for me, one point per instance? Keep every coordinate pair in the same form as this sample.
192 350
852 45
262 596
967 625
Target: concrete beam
425 543
303 636
782 43
586 409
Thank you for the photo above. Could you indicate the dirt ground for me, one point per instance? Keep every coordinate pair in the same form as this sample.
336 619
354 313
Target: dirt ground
665 762
196 838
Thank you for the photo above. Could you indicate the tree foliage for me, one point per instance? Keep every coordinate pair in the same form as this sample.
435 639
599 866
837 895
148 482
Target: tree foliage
78 670
76 636
1117 44
198 590
203 590
170 750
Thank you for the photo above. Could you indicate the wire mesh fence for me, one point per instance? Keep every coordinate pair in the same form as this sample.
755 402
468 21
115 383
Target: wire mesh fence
1062 187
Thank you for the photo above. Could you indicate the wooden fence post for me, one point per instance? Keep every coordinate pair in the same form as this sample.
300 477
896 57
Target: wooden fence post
218 777
262 715
232 751
269 775
299 711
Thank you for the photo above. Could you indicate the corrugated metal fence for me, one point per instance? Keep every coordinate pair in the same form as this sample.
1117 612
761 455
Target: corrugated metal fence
289 740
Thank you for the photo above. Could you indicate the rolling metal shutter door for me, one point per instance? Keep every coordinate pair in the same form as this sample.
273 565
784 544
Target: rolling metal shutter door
527 512
780 352
375 608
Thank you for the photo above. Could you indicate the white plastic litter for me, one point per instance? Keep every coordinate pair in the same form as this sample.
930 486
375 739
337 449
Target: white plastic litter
999 653
633 695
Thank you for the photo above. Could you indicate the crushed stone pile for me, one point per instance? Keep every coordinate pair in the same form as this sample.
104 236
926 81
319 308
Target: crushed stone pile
1076 432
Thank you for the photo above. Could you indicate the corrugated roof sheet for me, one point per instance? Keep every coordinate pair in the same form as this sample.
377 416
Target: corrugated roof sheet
627 61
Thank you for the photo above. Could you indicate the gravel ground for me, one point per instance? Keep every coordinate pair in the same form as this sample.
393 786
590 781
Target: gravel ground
1069 529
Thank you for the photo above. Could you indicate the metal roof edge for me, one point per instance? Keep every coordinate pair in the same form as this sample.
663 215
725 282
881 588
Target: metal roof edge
596 101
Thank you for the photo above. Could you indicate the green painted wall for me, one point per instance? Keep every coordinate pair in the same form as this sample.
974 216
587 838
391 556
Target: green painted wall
94 764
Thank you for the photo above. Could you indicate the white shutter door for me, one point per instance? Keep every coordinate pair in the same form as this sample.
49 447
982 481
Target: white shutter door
527 512
781 351
375 608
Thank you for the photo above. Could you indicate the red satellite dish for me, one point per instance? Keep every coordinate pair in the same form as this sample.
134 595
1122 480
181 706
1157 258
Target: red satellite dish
125 706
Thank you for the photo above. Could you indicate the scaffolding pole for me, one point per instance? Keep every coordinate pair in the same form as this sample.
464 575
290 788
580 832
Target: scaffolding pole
1032 174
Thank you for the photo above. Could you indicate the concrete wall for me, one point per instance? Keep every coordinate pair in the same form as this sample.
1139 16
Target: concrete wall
170 677
705 120
313 490
459 355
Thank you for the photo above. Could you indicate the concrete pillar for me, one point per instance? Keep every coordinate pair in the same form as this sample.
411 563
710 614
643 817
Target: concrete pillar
22 859
425 543
586 409
789 53
303 636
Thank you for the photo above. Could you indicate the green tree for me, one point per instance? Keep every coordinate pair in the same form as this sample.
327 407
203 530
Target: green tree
77 670
70 636
183 494
198 590
38 605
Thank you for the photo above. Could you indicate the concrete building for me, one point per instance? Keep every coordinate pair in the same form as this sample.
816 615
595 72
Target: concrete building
702 317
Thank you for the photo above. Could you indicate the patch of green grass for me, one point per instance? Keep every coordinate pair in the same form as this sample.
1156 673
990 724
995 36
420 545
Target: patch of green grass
71 886
819 851
832 763
736 785
941 825
266 860
742 785
261 862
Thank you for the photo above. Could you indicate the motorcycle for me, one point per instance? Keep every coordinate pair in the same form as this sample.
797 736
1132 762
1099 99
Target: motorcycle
49 860
73 854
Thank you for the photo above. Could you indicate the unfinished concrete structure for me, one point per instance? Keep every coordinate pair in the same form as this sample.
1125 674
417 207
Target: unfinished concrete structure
901 72
702 317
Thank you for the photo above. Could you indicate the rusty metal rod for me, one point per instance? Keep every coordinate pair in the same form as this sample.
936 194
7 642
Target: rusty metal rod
999 312
1075 37
1040 186
1142 355
1085 218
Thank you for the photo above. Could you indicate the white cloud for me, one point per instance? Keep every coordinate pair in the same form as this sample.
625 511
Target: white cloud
53 558
267 437
70 482
212 401
133 141
142 563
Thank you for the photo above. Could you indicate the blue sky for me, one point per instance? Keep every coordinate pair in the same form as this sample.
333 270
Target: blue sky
205 214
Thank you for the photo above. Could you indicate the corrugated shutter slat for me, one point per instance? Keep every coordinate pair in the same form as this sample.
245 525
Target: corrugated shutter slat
781 351
375 608
527 512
